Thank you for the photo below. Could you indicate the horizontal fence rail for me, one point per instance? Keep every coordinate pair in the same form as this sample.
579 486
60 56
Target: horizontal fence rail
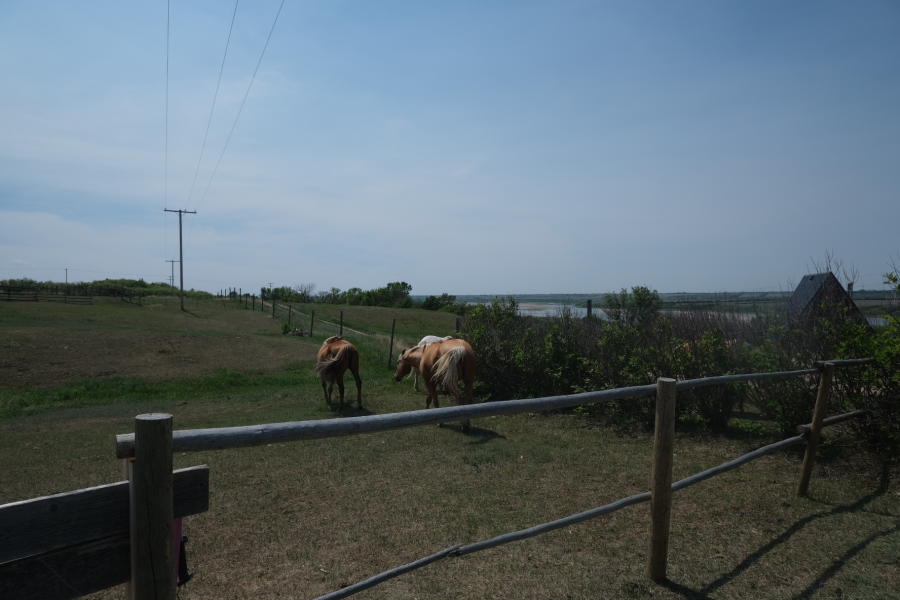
187 440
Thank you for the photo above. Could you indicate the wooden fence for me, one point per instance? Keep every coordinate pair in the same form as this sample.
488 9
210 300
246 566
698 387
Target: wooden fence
39 295
659 496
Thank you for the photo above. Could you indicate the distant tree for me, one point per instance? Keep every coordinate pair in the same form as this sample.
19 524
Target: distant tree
639 306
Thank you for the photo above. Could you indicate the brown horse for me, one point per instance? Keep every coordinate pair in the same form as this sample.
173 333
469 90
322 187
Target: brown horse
443 366
414 354
336 356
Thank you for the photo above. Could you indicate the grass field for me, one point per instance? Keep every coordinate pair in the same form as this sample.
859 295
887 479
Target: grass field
298 520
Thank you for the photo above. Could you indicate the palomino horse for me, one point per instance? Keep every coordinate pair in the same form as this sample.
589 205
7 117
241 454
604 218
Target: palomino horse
336 356
443 366
415 353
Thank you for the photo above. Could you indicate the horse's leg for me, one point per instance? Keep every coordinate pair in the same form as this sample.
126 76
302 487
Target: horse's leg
358 387
340 382
325 392
416 380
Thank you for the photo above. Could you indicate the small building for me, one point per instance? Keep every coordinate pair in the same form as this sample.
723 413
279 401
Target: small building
821 294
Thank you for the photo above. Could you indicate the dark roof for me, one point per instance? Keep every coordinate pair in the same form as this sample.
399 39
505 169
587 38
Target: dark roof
806 292
815 289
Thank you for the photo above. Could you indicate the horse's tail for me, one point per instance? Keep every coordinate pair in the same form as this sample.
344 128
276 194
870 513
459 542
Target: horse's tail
329 368
445 372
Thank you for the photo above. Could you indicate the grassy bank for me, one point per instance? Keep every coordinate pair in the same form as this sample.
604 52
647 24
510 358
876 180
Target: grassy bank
298 520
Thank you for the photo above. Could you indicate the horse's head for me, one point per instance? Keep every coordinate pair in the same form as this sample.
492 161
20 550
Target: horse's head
406 362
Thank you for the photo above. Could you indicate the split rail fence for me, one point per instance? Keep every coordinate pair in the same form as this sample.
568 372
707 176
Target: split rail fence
71 544
659 496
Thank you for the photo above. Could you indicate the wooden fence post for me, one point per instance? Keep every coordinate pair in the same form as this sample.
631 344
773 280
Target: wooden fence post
312 318
590 308
341 330
812 440
152 560
290 313
391 347
661 479
273 307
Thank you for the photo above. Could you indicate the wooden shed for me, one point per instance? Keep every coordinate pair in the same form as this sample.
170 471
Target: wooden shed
821 294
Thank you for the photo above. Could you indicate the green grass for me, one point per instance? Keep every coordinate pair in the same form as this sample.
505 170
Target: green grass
301 519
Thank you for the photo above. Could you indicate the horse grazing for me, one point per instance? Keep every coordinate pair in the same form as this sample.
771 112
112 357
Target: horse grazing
443 366
334 358
414 354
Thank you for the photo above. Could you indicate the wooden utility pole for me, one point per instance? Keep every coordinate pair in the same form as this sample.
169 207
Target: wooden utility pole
172 276
180 253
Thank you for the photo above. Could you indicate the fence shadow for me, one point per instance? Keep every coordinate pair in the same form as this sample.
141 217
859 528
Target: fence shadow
758 554
479 434
350 410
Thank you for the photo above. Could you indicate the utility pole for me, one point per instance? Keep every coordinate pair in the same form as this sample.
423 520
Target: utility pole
180 253
67 275
172 276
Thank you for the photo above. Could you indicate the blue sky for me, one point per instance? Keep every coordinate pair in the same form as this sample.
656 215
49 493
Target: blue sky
463 147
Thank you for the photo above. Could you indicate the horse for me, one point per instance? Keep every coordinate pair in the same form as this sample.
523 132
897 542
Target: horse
334 358
443 365
413 354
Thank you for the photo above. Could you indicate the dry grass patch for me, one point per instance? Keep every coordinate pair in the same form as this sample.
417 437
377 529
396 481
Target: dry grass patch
48 345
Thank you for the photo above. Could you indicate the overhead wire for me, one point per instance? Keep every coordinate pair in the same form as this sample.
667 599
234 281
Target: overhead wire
243 102
166 169
215 98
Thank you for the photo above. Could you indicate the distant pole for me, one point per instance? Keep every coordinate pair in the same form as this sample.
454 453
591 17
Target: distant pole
341 330
312 318
67 275
391 348
180 249
590 308
290 311
172 276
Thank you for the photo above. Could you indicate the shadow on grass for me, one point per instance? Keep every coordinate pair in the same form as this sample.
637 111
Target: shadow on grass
350 410
480 434
827 574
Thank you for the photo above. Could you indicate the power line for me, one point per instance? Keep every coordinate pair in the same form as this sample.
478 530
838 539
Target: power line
166 175
243 101
215 98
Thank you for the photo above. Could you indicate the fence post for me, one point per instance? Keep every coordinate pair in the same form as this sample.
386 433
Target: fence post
590 308
341 330
457 324
290 311
273 306
391 348
661 478
150 512
312 318
812 440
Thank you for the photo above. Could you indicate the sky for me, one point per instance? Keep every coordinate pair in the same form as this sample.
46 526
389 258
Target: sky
467 147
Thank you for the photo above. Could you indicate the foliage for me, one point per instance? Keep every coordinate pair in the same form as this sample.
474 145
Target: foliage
394 295
521 357
445 302
102 287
